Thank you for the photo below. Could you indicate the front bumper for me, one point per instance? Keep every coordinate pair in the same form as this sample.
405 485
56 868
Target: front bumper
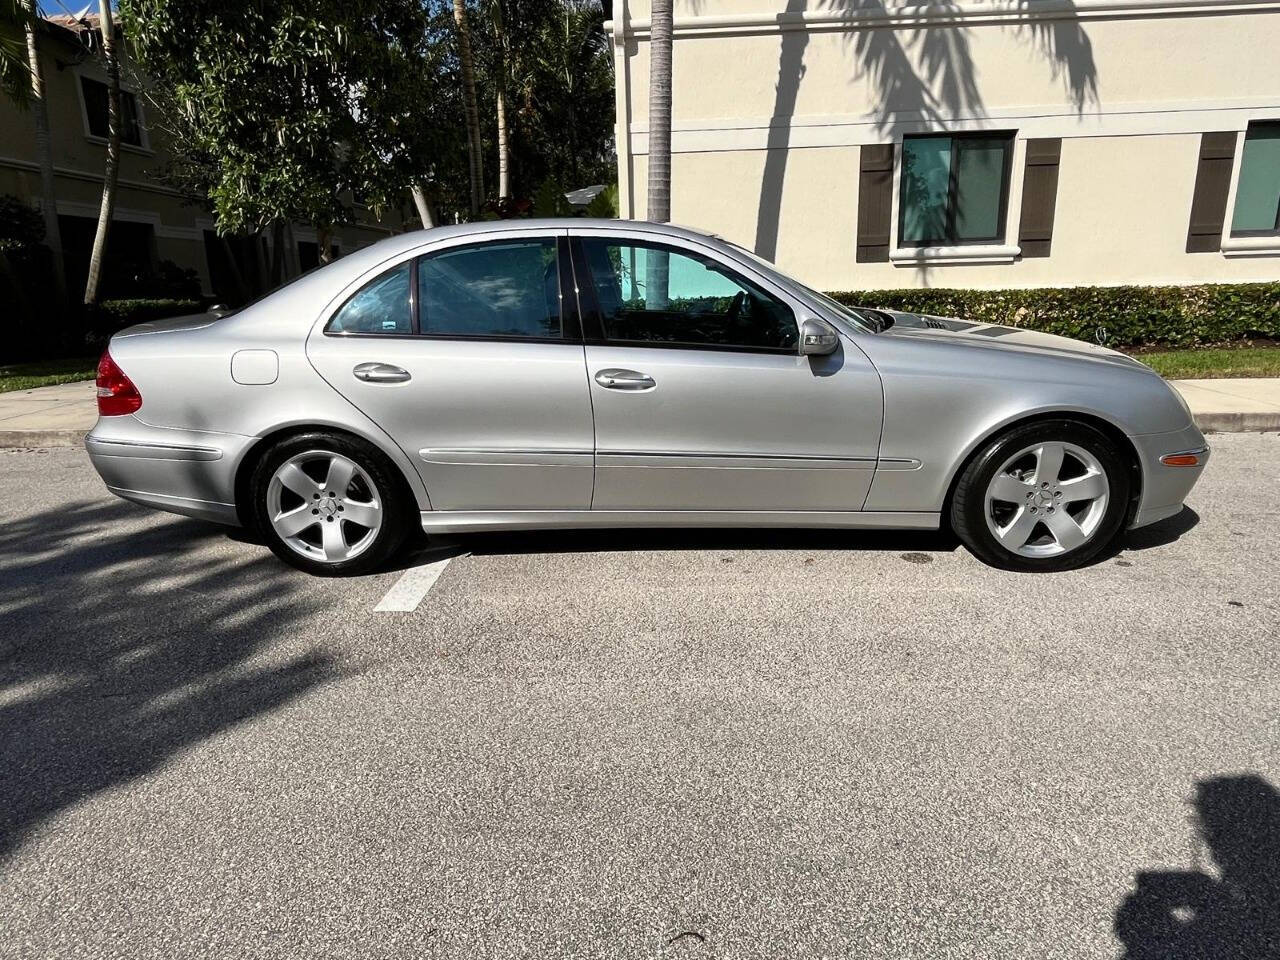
181 471
1164 488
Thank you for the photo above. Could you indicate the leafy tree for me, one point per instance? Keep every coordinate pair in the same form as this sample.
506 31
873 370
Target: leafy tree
288 110
111 175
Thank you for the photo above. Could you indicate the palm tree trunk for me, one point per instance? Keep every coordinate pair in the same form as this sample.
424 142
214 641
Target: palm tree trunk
500 82
112 173
44 155
470 105
659 191
420 200
657 273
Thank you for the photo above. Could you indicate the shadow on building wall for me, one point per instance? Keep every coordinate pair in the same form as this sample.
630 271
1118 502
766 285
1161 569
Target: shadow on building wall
920 75
1194 915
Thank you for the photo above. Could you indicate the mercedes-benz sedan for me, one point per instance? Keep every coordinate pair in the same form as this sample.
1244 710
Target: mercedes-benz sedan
580 373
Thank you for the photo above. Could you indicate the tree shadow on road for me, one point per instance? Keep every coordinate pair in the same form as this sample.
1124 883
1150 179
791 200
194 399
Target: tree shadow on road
1195 915
127 640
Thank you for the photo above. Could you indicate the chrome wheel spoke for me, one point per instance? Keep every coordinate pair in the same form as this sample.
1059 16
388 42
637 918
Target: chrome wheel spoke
366 514
293 522
332 541
1088 487
1015 507
1010 489
1048 462
1017 532
291 476
328 507
336 481
1064 529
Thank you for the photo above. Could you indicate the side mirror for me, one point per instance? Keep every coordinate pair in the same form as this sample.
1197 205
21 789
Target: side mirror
817 339
219 310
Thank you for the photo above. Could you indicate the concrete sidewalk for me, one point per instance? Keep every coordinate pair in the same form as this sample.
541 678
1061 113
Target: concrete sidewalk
60 416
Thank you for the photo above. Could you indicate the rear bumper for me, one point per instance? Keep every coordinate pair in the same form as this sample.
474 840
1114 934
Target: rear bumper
1164 488
180 471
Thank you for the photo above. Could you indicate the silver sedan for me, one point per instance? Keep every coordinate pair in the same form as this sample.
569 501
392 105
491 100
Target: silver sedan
585 373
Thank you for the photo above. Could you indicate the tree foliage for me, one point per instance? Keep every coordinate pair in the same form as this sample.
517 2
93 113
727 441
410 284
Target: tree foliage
290 110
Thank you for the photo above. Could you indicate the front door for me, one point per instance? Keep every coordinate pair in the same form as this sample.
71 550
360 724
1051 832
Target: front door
471 359
702 400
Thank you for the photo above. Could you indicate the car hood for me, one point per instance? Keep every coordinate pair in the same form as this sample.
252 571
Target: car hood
191 321
924 326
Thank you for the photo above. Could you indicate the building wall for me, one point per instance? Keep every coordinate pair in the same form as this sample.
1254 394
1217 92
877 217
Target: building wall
178 225
772 102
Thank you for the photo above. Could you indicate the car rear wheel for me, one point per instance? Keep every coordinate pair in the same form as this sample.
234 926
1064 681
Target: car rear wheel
328 504
1043 497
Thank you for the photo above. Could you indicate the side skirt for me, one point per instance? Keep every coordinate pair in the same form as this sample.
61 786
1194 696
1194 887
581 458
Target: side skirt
461 521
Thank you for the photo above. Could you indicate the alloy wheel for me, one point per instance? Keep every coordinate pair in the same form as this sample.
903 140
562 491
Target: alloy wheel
1047 499
324 506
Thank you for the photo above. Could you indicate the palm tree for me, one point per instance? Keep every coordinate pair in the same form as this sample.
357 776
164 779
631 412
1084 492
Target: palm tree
23 78
15 71
112 173
659 191
469 104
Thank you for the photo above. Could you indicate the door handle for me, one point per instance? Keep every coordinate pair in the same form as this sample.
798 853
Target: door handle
617 379
380 373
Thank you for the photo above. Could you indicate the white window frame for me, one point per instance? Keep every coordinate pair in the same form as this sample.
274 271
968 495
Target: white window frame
978 253
1256 246
145 149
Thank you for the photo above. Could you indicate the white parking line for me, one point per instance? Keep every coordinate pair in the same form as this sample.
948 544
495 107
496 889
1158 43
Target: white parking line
407 592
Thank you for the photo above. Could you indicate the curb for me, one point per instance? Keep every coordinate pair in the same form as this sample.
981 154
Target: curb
1237 422
28 439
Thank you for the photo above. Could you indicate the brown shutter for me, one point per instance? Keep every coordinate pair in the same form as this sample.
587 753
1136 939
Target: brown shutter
875 203
1039 197
1213 183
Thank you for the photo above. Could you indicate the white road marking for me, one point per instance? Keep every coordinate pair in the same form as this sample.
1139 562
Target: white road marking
407 592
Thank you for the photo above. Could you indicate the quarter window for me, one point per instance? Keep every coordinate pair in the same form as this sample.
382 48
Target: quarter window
96 109
652 294
380 306
502 289
1257 209
954 189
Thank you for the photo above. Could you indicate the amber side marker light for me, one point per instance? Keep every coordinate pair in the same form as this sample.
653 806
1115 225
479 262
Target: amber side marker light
1180 460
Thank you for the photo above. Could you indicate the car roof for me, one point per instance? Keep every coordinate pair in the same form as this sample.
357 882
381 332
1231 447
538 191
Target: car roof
482 227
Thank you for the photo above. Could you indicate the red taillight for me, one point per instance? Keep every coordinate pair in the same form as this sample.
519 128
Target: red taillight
116 393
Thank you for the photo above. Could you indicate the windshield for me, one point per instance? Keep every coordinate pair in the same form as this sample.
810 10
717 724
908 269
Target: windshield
871 320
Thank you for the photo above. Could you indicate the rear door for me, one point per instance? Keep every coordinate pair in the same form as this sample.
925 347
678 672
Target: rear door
470 357
701 398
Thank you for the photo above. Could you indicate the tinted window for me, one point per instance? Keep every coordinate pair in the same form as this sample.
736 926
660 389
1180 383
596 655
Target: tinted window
954 189
652 294
380 306
504 289
1258 192
96 108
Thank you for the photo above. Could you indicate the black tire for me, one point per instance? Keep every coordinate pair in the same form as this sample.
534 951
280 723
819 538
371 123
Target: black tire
969 503
397 510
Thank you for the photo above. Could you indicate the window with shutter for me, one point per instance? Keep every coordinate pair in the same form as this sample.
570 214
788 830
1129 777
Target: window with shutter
1213 183
1039 197
875 203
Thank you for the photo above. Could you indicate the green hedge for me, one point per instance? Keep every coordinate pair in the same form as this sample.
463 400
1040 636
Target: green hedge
1118 316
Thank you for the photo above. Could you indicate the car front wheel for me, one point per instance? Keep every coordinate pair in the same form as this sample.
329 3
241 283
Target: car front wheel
328 504
1043 497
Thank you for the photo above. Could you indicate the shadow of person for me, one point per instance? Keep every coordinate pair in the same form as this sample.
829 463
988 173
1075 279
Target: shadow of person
1191 914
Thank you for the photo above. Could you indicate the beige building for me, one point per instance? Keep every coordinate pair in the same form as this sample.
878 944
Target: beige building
153 223
976 143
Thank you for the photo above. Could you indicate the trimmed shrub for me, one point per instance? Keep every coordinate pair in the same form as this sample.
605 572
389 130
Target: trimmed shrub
1184 316
111 316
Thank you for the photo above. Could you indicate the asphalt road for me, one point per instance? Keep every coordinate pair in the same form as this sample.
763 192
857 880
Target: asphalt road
633 744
